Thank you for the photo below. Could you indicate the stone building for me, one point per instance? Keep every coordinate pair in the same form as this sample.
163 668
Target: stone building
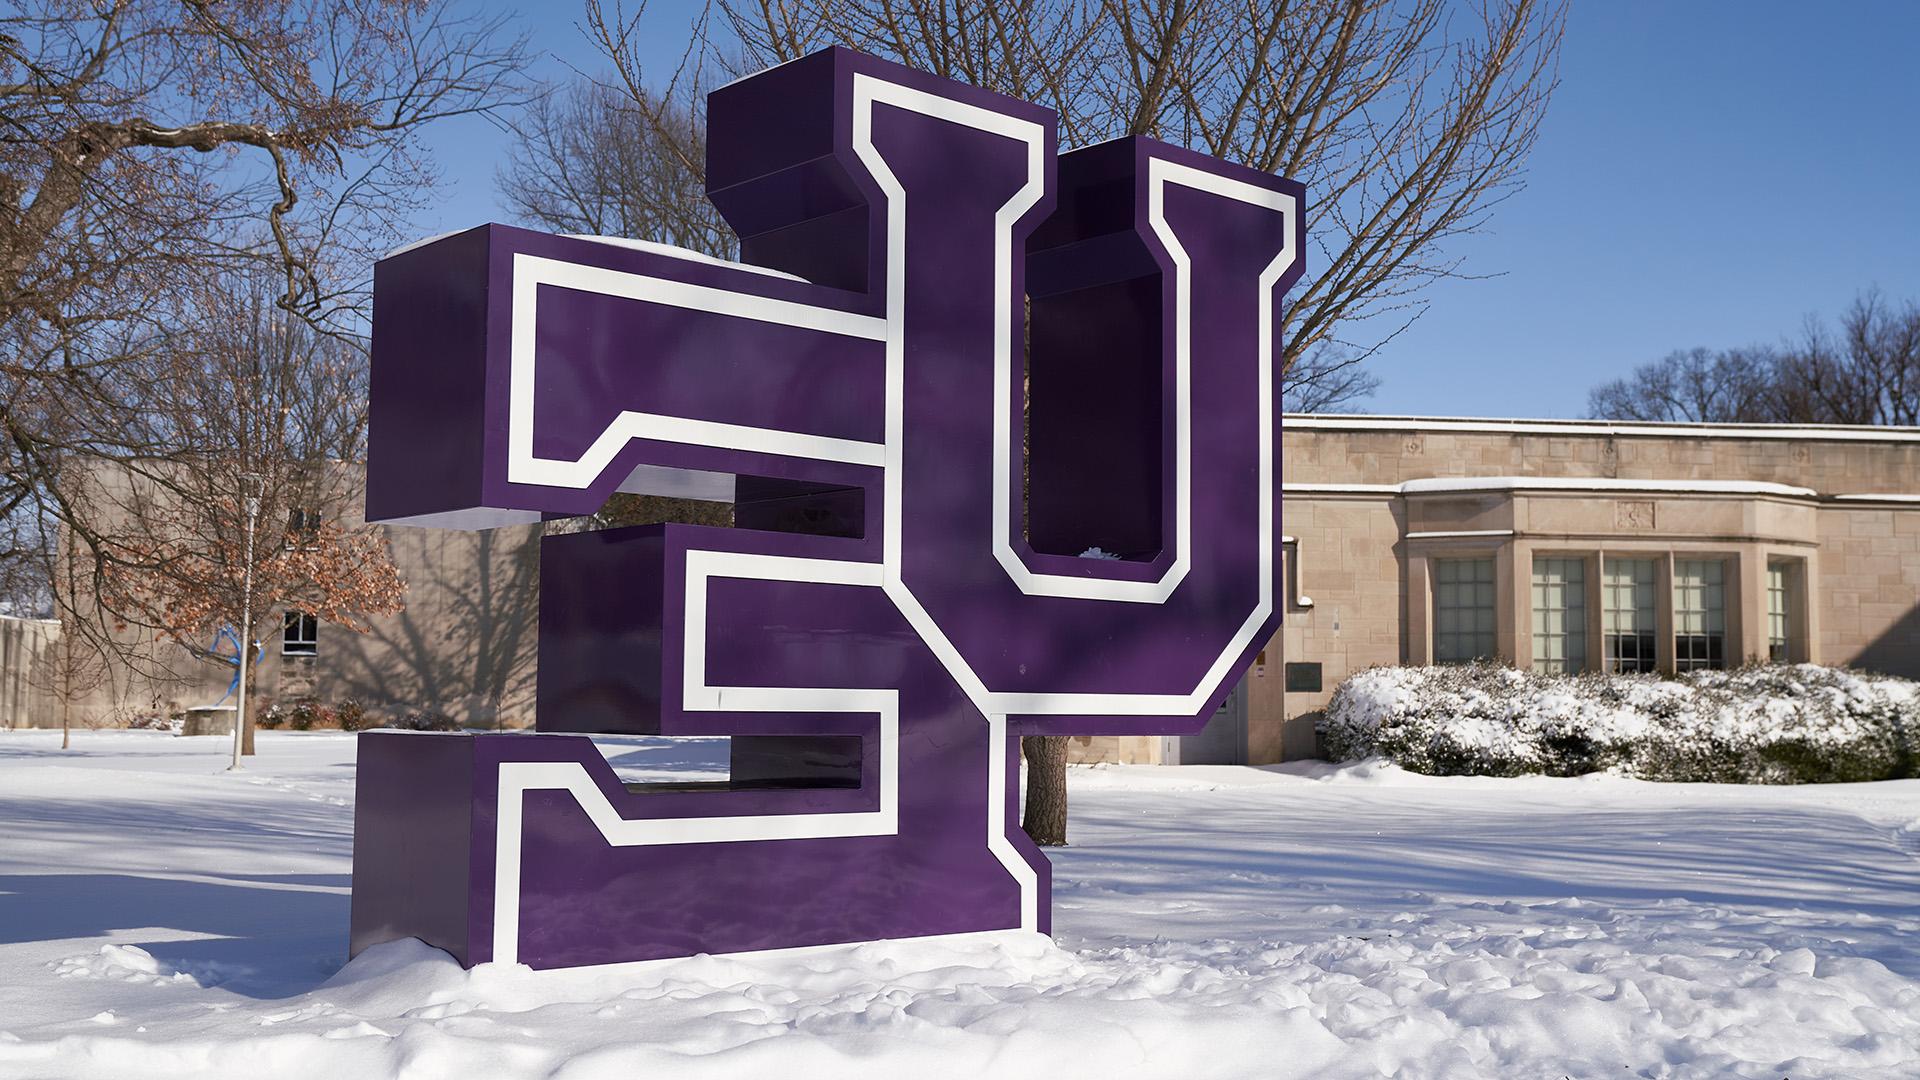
1557 545
1571 546
463 647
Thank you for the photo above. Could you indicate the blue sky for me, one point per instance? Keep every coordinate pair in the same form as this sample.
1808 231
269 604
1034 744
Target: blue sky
1708 174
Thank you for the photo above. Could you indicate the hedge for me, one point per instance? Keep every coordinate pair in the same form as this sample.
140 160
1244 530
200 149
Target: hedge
1772 724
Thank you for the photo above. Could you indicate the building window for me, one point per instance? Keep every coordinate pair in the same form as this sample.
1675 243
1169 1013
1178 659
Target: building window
1627 600
1463 610
1559 615
301 635
1783 611
303 526
1699 614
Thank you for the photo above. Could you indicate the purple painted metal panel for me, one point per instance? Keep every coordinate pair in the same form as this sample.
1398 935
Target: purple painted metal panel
412 832
886 619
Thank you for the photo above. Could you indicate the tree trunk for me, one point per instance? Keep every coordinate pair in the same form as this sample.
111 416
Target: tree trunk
246 732
1045 819
66 721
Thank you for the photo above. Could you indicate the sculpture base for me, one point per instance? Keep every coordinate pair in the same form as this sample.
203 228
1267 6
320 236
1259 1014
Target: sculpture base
526 848
209 720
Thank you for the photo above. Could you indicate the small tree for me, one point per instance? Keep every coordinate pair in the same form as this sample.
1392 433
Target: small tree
75 664
247 396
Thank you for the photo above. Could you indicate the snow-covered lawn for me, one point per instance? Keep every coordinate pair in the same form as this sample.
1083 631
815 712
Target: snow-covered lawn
160 918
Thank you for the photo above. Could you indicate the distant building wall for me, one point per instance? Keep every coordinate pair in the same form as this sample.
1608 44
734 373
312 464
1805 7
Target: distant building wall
1113 750
465 646
25 700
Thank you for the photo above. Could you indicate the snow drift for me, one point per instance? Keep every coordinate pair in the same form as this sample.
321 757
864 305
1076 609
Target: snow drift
1775 724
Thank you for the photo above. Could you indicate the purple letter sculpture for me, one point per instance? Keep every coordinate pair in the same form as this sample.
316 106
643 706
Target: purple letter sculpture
903 594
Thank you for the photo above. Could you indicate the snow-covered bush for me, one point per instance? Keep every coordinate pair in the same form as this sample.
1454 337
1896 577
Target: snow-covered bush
154 721
352 716
1776 724
305 714
425 720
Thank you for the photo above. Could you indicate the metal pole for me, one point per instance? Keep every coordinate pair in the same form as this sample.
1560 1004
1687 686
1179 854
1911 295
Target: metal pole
252 497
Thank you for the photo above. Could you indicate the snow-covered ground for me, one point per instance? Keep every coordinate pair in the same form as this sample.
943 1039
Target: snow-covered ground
159 918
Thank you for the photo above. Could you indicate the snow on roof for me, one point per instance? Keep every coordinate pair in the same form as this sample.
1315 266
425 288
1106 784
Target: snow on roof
651 247
654 247
1629 428
1596 483
1453 484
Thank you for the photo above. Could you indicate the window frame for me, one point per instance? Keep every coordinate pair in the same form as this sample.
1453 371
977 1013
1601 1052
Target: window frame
303 528
1790 646
301 644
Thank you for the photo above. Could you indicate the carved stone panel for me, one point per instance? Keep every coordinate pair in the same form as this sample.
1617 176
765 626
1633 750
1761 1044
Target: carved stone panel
1633 514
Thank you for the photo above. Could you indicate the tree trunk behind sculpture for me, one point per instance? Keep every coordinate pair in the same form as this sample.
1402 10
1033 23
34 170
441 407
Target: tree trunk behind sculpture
1045 819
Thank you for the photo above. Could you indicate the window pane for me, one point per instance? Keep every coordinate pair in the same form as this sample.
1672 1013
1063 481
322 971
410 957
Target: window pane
1463 610
1559 615
1627 598
1783 606
1699 614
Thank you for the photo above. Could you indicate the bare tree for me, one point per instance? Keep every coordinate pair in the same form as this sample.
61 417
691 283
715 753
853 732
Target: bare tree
1327 379
1407 121
590 162
1695 385
153 148
1866 373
